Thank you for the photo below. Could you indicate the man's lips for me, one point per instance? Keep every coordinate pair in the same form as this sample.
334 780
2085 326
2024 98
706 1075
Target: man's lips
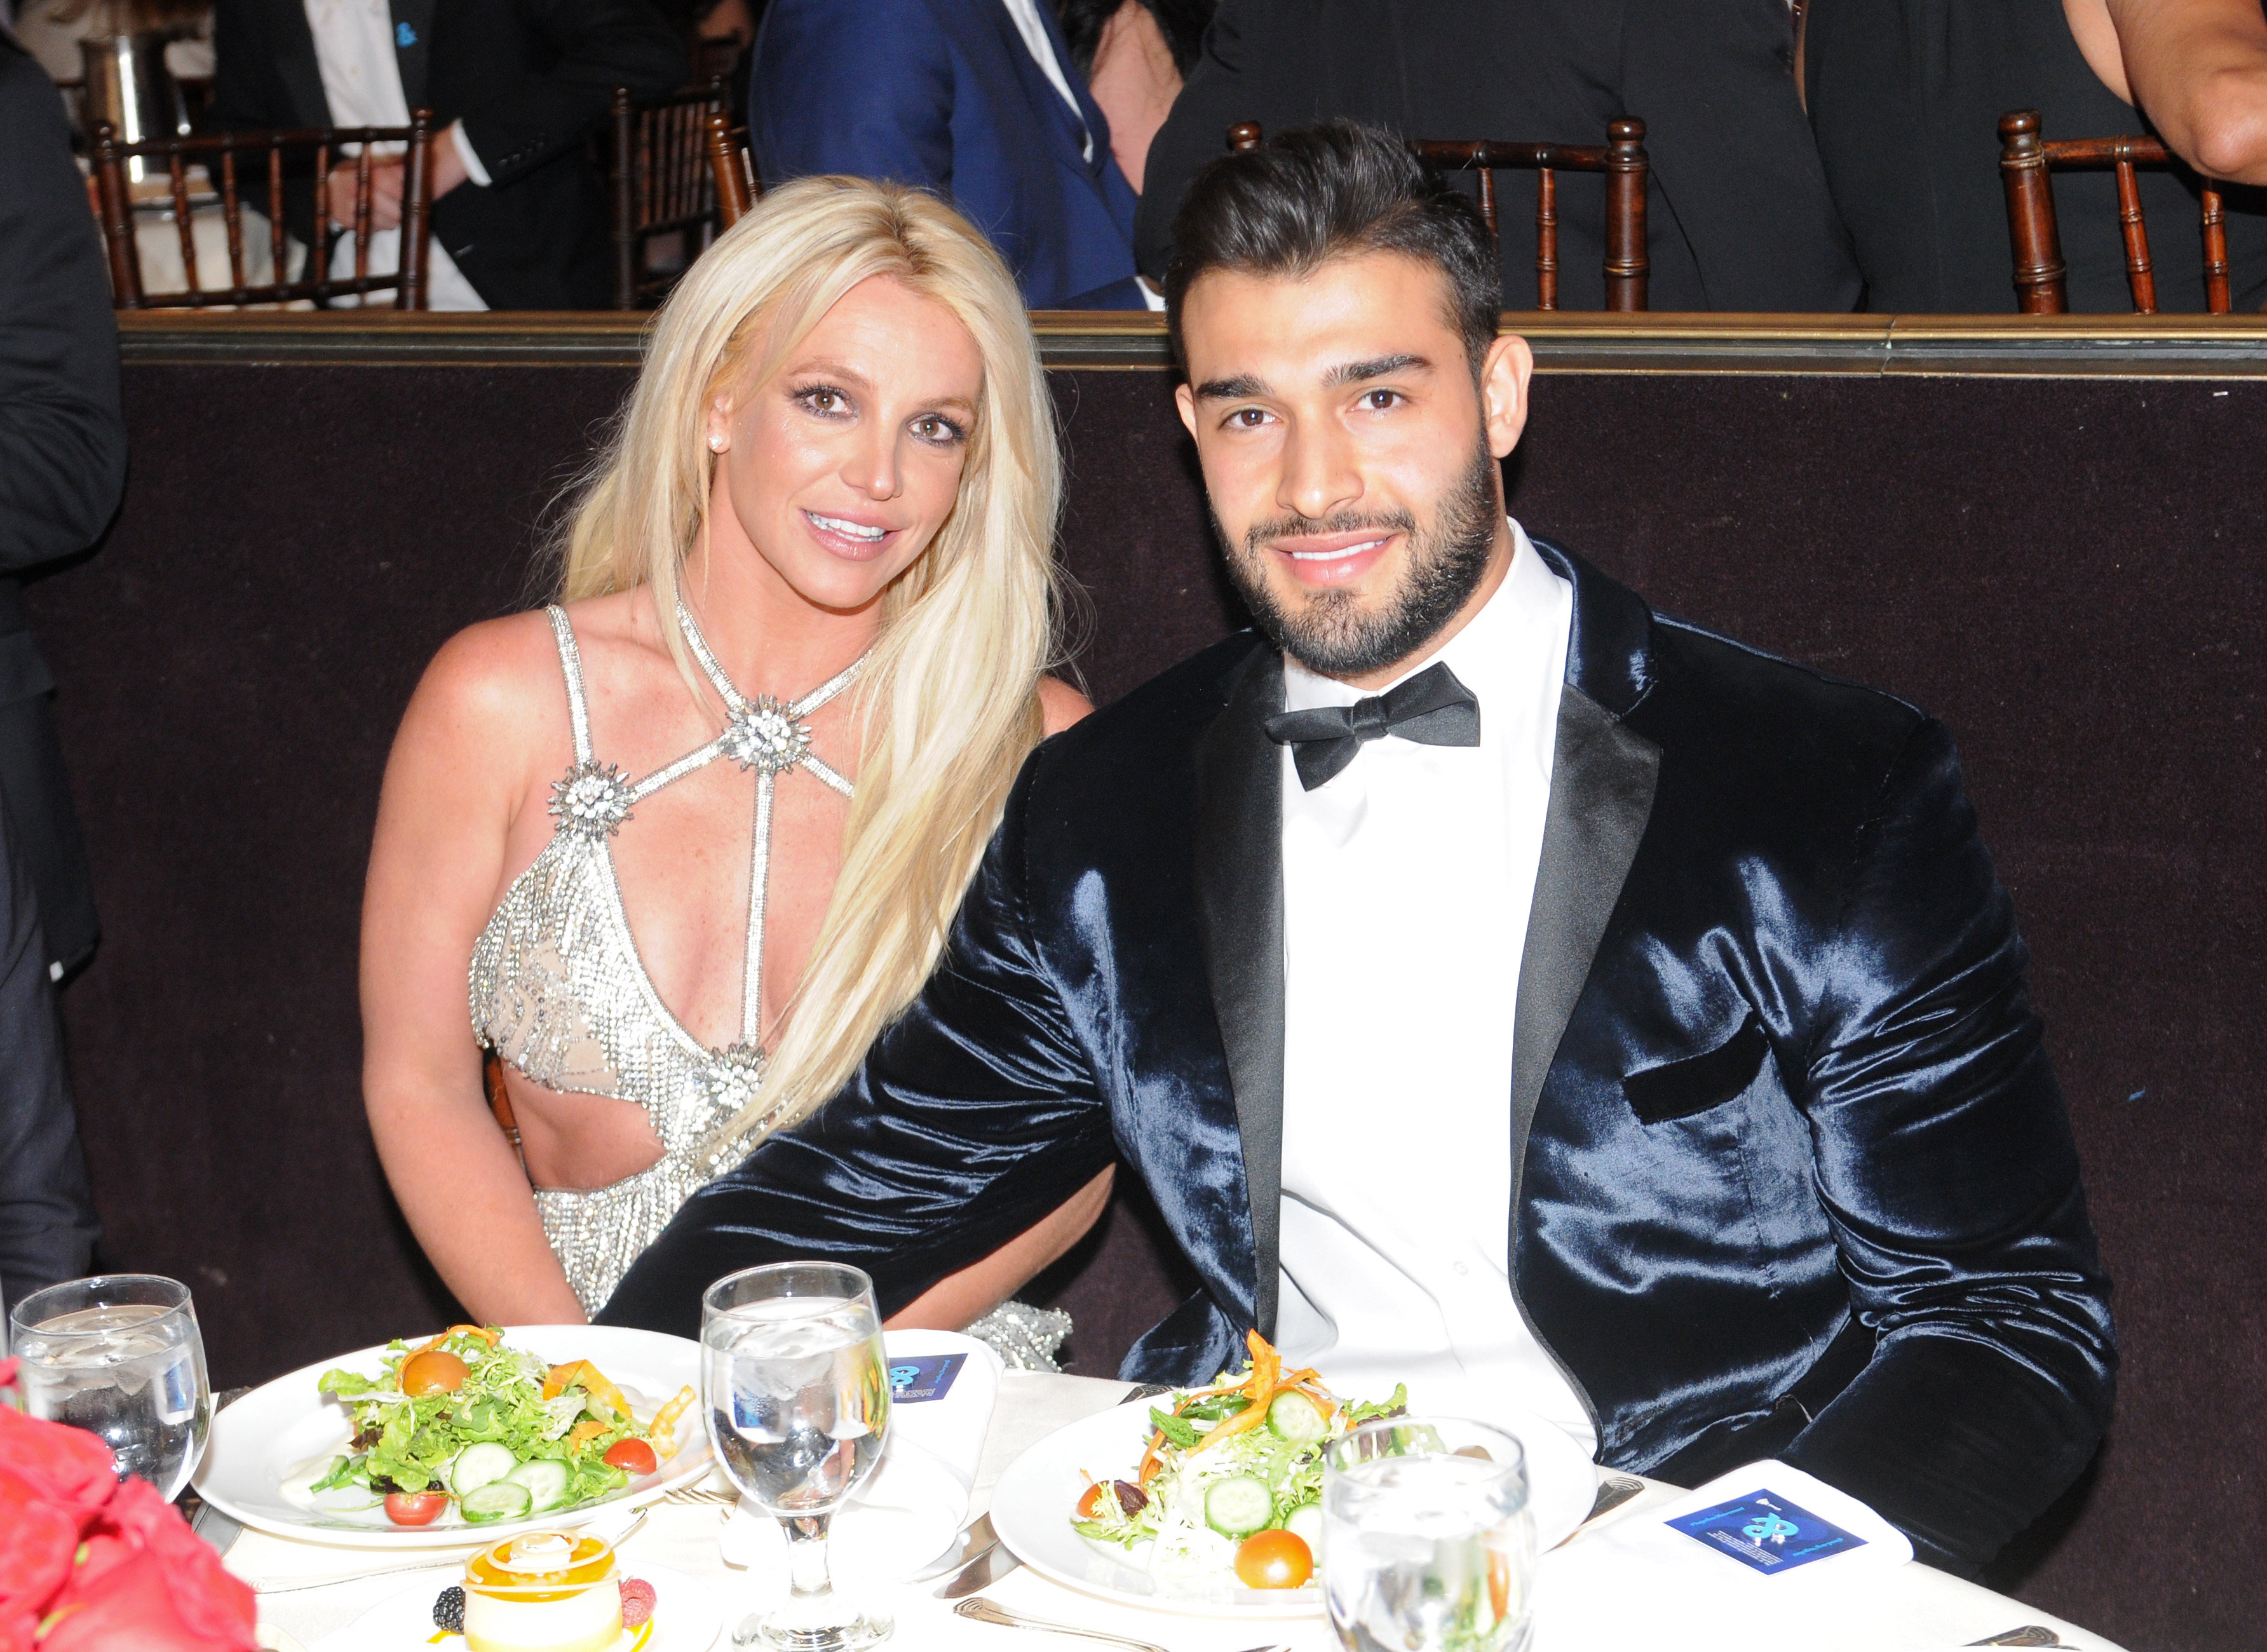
1333 559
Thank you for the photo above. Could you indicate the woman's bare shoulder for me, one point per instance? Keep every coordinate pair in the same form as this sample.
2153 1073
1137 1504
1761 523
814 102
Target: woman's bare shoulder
493 674
1061 705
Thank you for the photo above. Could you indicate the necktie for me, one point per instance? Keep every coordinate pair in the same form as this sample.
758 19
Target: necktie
1431 709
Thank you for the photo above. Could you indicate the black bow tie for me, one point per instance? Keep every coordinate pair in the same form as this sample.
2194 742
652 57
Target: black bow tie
1431 709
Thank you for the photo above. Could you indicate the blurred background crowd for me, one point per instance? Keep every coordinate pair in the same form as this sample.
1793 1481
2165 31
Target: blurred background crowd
1835 156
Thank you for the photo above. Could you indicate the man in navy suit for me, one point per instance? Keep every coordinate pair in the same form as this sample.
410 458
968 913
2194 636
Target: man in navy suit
974 99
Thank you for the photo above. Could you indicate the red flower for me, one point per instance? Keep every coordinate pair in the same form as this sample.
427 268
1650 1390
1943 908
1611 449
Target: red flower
66 1468
150 1584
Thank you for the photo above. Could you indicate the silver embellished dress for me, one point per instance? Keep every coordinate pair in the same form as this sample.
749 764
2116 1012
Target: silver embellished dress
559 992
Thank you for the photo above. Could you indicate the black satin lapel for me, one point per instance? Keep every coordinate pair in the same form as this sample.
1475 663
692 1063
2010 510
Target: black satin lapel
1239 874
295 61
1602 783
413 50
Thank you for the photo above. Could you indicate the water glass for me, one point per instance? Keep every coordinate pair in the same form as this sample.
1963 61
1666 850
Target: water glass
796 1394
1427 1545
119 1356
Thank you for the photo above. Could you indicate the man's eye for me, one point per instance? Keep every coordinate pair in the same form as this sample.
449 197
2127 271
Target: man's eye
1380 400
1248 418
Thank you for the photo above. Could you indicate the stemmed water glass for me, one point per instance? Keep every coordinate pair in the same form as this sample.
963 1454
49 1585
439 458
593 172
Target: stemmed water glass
119 1356
1428 1542
796 1394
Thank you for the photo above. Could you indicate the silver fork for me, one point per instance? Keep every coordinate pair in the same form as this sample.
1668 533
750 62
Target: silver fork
982 1611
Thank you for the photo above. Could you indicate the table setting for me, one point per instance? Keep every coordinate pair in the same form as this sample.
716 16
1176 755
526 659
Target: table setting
800 1479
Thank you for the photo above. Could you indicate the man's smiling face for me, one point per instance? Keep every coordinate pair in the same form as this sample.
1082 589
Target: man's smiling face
1350 453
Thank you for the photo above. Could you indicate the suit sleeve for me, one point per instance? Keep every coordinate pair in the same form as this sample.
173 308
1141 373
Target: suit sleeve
593 45
975 1114
1214 98
862 89
63 437
1946 1166
46 1217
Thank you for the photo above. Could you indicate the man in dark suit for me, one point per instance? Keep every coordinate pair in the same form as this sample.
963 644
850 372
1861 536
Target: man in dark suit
1738 216
973 99
516 86
62 466
1491 977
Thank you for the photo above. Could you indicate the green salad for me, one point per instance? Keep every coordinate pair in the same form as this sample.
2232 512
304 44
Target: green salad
1232 1478
464 1420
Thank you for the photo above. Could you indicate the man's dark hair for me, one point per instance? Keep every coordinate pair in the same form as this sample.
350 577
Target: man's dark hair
1334 190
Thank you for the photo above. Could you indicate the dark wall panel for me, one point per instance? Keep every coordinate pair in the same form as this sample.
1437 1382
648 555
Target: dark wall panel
2068 571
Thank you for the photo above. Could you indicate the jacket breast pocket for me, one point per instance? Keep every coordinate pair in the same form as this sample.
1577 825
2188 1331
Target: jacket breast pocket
1678 1090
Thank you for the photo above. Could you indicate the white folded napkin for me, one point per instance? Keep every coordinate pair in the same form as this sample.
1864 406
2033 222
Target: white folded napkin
1763 1558
914 1503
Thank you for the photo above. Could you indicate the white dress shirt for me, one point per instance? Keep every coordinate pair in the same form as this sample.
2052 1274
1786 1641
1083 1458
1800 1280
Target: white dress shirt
362 82
1407 882
1026 16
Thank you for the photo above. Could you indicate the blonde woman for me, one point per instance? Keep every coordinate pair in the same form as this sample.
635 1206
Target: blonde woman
694 831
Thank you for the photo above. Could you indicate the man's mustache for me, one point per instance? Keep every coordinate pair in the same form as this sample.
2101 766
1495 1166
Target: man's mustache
1260 535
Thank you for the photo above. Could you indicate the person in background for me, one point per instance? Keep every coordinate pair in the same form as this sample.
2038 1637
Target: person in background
1906 95
519 215
51 29
1738 215
976 102
1135 55
62 468
47 1230
835 487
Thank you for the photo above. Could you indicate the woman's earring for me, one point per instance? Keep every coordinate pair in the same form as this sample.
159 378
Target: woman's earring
716 443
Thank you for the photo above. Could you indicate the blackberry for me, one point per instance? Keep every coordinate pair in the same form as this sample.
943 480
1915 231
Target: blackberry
449 1610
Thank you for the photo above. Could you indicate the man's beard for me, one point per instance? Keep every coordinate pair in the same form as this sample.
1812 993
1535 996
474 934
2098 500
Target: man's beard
1333 634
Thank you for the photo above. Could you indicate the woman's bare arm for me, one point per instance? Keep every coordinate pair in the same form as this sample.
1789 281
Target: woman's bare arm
2197 67
976 1290
435 866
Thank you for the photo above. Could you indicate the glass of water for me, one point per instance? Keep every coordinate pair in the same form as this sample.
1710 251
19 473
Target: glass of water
119 1356
1427 1543
796 1393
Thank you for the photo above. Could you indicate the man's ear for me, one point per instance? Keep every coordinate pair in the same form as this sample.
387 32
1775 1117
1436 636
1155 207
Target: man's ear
1504 372
1185 400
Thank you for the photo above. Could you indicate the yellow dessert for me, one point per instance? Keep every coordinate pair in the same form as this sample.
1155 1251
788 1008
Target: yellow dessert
543 1591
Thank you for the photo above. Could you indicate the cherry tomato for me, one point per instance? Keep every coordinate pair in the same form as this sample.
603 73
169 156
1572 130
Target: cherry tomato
1273 1558
415 1508
633 1457
432 1372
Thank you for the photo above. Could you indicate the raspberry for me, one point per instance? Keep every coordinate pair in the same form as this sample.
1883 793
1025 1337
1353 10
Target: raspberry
637 1602
449 1610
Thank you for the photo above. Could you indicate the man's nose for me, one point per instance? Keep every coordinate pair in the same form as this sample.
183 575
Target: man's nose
1320 474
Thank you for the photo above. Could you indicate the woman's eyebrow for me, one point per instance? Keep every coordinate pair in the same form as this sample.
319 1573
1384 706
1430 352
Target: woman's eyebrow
834 368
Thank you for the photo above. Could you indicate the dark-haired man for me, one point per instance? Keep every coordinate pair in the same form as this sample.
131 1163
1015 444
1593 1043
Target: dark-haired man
1498 985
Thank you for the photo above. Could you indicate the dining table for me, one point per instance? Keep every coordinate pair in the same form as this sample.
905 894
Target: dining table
311 1594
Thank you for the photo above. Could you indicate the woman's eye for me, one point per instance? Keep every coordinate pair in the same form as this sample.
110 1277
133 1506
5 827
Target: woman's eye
822 399
929 428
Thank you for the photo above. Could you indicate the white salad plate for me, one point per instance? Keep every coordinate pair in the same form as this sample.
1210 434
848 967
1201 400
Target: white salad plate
274 1433
685 1618
1032 1511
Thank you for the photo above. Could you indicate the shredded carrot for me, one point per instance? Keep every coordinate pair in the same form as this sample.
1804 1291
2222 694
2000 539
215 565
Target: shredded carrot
663 1431
481 1331
582 1373
588 1428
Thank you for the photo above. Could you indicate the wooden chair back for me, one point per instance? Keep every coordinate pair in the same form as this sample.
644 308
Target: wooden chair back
661 184
1622 159
2027 160
263 168
734 168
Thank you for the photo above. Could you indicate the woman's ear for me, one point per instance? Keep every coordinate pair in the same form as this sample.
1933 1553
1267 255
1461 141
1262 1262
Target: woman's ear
720 423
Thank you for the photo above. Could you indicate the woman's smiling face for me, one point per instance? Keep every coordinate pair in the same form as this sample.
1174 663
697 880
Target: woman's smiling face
840 469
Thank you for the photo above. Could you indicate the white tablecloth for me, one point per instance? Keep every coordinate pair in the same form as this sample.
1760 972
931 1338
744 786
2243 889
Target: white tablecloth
1910 1609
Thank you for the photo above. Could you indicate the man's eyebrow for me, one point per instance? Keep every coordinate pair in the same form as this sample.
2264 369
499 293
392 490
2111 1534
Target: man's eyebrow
1229 389
1378 367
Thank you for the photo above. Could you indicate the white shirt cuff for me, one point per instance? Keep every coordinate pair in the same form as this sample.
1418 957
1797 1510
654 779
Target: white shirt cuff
1150 296
473 168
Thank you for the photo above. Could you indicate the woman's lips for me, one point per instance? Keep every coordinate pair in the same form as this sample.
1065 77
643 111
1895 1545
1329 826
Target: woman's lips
847 537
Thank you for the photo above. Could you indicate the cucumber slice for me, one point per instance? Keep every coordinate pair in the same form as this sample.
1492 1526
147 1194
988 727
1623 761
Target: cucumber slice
1295 1418
481 1465
546 1480
1239 1506
499 1500
1305 1523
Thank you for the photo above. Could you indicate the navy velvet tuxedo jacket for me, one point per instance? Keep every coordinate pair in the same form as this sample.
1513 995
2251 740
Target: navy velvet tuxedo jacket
1777 1094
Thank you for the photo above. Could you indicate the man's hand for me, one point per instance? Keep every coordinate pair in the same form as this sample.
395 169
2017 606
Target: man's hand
387 175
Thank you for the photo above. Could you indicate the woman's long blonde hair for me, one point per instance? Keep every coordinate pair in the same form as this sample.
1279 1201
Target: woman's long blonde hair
948 705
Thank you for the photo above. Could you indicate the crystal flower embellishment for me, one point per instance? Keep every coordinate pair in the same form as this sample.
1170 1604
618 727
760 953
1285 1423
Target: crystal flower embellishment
766 734
734 1074
592 801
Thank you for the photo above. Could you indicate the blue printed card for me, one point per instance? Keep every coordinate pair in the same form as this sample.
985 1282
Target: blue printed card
923 1377
1765 1531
